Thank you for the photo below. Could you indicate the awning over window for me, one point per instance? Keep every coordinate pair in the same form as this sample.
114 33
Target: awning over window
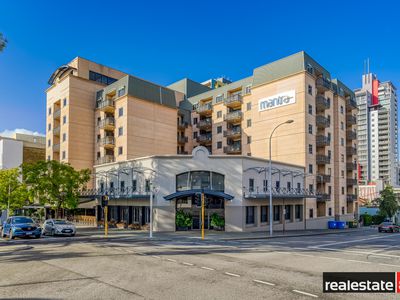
189 193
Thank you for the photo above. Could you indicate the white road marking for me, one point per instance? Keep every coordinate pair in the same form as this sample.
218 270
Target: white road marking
305 293
359 261
232 274
170 259
388 265
207 268
140 253
264 282
187 264
155 256
347 242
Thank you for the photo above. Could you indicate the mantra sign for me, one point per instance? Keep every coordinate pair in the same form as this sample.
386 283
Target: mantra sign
277 100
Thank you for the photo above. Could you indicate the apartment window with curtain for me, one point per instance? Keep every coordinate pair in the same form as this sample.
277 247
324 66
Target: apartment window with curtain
248 106
250 215
120 112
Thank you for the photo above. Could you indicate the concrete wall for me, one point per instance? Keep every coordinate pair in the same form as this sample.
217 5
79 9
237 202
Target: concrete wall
11 153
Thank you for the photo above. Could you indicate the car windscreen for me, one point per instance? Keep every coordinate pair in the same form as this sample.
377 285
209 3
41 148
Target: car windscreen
387 223
20 220
60 222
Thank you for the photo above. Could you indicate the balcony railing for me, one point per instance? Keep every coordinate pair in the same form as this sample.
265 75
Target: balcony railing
233 149
182 139
351 135
56 130
351 197
57 113
129 192
233 133
234 100
204 108
323 84
322 141
351 167
322 178
108 141
322 122
322 159
204 124
56 147
350 101
351 151
107 123
182 125
323 197
351 181
106 105
233 117
105 159
279 193
351 120
322 103
204 139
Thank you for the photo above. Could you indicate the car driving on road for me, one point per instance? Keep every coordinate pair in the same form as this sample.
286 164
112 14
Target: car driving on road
20 226
58 227
388 227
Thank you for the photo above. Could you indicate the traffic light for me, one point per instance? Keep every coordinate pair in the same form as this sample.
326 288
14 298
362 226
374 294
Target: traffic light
104 201
197 199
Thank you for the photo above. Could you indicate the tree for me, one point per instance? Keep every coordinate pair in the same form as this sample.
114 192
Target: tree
54 183
3 42
388 204
13 192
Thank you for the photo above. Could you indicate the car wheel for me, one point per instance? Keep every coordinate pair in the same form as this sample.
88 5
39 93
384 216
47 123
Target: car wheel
3 235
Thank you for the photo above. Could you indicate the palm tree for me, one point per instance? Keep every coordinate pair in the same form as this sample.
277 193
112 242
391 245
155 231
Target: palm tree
3 42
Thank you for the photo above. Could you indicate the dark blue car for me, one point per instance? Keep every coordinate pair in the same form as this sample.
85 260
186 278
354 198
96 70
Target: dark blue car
20 227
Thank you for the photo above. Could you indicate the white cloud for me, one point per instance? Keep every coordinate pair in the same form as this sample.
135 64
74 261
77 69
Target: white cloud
9 133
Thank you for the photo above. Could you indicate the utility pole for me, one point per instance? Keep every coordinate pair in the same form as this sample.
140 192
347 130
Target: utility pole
8 200
202 215
151 211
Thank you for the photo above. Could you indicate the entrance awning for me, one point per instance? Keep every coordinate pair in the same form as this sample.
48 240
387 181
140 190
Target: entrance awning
189 193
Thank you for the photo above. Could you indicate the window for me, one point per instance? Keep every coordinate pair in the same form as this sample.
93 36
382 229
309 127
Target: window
64 119
120 112
297 211
341 109
288 212
248 106
219 129
147 185
251 185
63 155
48 143
342 157
120 150
263 214
277 184
248 122
310 149
289 185
122 185
249 140
329 154
219 114
299 187
342 190
120 131
195 134
49 111
309 128
342 141
219 145
48 157
134 185
330 211
64 137
65 102
310 109
329 136
98 138
219 99
311 187
329 190
101 78
309 89
247 89
341 125
49 127
195 120
311 213
343 211
265 185
111 185
98 154
121 92
277 212
249 214
310 168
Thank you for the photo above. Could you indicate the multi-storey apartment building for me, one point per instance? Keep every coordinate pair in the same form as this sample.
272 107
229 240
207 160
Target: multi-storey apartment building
377 131
131 118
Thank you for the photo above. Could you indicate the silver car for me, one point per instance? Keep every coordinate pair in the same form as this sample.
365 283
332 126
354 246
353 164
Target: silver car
58 227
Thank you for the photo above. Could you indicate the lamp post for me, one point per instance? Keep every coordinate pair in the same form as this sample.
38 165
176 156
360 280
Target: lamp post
151 210
270 176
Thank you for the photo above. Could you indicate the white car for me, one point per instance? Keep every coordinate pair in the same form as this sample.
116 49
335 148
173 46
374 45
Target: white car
58 227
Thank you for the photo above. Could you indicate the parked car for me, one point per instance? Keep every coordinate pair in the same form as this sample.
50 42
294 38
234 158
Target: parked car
20 226
58 227
388 227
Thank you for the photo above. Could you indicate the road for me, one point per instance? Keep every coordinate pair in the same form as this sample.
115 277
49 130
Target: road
126 267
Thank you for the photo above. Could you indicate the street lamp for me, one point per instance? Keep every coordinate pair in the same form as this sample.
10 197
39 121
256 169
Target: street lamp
270 175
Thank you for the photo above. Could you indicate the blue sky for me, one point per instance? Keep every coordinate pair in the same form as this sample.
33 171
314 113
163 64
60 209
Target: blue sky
164 41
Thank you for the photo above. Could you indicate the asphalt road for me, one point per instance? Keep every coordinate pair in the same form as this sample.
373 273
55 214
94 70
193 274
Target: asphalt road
130 268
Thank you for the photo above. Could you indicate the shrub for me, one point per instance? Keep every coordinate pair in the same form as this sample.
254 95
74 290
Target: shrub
183 219
367 219
217 220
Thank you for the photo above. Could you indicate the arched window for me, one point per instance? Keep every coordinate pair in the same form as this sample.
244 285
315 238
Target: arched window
197 180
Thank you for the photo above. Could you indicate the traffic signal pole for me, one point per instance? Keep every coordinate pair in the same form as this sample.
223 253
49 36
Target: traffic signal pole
202 216
106 220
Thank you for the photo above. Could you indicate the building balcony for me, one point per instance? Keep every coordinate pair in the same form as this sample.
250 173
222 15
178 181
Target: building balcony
234 117
204 124
323 197
233 149
322 122
351 102
204 109
321 103
351 120
106 159
351 151
108 142
351 167
56 131
56 147
351 197
351 181
57 113
106 105
322 178
182 139
234 101
233 133
182 125
323 84
351 135
322 159
322 141
204 139
107 123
